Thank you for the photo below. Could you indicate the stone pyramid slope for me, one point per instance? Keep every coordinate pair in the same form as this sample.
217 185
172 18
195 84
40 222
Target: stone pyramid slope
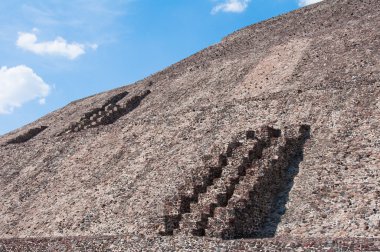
120 162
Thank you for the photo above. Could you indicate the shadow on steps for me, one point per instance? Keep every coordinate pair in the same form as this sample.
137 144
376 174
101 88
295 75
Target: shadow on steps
275 195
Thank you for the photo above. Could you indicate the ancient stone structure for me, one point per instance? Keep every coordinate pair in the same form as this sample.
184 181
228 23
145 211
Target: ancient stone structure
108 113
163 164
24 137
233 195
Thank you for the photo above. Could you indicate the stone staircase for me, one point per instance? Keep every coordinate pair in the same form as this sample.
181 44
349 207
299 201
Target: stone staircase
221 190
252 197
27 135
236 201
110 112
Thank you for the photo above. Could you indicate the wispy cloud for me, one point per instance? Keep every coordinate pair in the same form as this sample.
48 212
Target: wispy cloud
19 85
308 2
58 46
80 20
96 19
234 6
81 14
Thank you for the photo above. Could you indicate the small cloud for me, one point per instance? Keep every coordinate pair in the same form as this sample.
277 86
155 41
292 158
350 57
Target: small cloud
307 2
59 46
234 6
19 85
42 101
93 46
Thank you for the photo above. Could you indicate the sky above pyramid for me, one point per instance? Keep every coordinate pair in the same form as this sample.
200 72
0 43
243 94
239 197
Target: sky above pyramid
54 52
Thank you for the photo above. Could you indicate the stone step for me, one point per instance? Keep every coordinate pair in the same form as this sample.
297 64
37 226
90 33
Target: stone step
222 223
191 223
207 201
236 202
219 192
109 107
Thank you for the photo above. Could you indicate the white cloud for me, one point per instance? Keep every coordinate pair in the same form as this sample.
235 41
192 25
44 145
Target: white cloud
42 101
59 46
99 21
93 46
308 2
19 85
235 6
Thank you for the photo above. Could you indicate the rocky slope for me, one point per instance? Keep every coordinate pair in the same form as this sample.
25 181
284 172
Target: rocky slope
109 164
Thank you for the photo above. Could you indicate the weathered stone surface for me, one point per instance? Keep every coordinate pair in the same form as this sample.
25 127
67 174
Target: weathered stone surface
24 137
180 243
318 66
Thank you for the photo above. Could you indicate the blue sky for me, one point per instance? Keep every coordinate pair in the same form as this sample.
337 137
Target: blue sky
55 51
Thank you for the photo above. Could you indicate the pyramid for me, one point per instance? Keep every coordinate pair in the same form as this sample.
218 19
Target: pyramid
268 140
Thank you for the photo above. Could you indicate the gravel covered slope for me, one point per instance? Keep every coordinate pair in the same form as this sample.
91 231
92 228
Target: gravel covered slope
318 66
